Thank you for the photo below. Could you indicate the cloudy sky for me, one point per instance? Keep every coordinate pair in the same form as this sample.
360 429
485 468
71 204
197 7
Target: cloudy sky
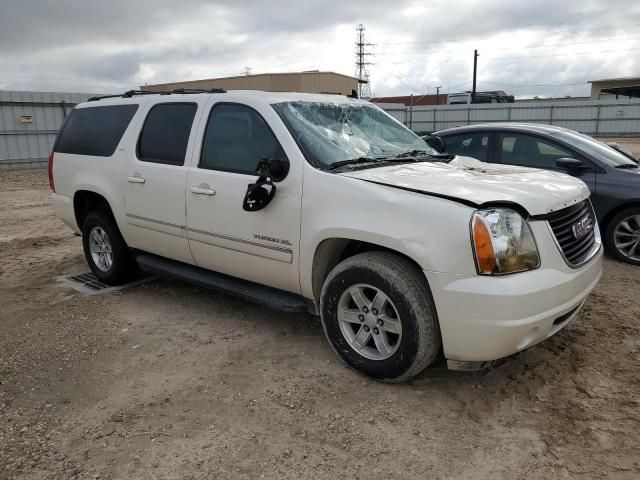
541 47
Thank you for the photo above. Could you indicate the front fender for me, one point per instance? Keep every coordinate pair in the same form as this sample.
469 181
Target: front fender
433 232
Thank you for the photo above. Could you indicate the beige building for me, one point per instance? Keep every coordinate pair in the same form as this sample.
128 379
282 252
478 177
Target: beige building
626 87
308 82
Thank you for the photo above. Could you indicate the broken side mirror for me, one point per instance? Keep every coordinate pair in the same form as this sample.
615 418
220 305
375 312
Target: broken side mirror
435 142
278 168
260 194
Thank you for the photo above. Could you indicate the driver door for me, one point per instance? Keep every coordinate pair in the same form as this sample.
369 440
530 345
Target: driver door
260 246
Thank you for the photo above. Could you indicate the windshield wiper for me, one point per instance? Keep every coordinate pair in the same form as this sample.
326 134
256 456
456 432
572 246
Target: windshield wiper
626 166
422 153
412 153
410 156
442 156
354 161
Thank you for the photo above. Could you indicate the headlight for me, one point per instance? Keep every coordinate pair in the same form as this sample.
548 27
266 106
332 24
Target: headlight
503 242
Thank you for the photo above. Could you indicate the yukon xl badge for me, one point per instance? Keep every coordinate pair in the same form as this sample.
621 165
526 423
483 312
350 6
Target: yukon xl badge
582 227
281 241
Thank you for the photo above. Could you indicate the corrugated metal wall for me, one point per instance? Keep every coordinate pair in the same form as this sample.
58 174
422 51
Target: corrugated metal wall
29 122
593 117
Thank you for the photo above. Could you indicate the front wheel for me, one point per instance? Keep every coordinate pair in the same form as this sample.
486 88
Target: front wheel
378 315
623 236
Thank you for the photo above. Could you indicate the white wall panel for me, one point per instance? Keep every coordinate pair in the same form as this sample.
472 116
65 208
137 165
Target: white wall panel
594 117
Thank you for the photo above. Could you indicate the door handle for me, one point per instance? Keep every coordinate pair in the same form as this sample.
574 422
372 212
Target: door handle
136 179
203 190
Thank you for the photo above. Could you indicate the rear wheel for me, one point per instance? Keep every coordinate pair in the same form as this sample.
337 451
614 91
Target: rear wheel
105 250
378 315
623 236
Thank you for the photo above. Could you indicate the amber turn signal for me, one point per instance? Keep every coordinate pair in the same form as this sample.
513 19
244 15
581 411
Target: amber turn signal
485 256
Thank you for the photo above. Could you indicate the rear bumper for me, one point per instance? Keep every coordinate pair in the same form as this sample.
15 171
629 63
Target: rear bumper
487 318
63 208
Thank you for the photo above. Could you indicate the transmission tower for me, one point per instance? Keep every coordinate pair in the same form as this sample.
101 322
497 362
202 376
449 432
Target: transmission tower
362 73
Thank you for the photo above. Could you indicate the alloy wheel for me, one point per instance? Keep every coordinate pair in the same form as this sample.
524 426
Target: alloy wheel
100 248
369 321
627 237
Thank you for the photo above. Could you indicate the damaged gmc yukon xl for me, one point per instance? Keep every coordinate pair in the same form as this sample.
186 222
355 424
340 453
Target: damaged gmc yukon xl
327 204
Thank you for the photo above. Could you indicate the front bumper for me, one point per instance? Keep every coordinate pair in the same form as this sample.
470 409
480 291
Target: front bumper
486 318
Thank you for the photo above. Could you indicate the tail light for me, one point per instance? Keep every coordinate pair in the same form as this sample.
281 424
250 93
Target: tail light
51 183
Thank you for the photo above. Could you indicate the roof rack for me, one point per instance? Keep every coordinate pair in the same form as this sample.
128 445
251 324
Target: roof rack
198 90
127 94
178 91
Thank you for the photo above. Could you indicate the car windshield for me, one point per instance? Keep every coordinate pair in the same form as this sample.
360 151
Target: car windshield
593 147
329 133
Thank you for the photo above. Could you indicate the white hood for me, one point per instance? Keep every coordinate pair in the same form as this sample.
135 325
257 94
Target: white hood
464 178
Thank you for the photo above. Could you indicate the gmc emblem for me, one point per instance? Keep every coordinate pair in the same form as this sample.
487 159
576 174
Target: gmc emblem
582 227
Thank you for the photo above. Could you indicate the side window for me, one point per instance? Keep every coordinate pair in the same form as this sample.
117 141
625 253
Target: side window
475 145
165 133
236 139
530 151
95 131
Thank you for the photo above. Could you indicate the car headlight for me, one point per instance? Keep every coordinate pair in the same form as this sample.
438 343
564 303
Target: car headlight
502 242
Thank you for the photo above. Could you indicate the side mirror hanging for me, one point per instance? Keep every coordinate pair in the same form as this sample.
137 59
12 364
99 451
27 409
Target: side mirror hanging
435 142
260 194
278 168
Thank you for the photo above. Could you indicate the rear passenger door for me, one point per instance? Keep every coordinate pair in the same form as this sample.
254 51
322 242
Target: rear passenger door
155 180
261 246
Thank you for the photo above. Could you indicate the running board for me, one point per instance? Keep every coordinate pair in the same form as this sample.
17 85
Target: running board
253 292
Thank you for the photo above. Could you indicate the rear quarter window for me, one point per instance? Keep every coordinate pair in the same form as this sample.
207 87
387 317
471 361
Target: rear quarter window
95 131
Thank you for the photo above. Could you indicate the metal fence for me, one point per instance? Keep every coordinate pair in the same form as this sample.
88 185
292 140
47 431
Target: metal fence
29 122
593 117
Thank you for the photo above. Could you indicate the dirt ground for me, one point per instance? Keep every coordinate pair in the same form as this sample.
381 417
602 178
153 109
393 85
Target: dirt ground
164 380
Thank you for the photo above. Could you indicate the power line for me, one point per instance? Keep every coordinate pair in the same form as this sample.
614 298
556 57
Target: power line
563 54
404 82
535 85
567 44
457 86
560 32
430 51
520 57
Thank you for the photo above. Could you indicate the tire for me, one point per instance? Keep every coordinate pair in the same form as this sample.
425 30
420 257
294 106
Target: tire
380 352
121 266
622 236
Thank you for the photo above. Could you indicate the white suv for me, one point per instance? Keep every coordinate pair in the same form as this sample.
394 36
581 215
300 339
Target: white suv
327 204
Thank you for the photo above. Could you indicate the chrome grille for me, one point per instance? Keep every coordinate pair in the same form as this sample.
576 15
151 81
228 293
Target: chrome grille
574 229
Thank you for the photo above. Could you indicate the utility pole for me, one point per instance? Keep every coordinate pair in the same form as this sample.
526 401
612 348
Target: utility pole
411 113
475 73
438 94
364 87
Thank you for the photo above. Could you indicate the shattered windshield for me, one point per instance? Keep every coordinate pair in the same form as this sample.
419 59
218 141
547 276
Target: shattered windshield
329 133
